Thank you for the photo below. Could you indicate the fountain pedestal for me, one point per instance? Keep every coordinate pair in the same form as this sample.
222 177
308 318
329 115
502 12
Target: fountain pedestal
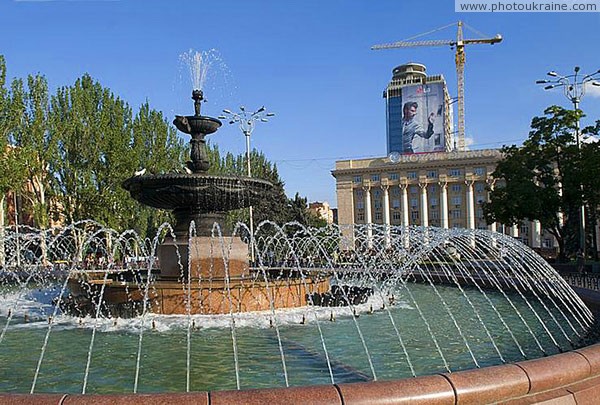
206 258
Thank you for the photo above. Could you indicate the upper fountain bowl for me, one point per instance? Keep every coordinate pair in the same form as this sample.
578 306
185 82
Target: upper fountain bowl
196 124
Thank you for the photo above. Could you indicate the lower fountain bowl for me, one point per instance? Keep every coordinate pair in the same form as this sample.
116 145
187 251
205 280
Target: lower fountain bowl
197 192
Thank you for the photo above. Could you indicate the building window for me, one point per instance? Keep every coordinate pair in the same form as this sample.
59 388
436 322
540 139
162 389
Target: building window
414 189
374 177
456 214
396 203
479 171
378 216
479 187
377 204
393 176
396 215
524 229
435 214
548 243
456 225
479 213
414 215
360 205
433 202
377 193
457 200
414 202
396 191
358 179
454 172
480 200
411 175
360 216
359 193
433 189
456 188
432 174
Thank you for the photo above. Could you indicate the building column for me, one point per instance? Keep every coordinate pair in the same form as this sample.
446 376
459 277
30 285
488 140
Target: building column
536 234
404 202
444 203
470 205
424 207
386 203
386 212
491 183
514 231
368 214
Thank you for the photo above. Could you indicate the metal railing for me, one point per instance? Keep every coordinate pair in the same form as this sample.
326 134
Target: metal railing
589 281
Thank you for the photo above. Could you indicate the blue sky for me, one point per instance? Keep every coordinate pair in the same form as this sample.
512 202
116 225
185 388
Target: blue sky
308 61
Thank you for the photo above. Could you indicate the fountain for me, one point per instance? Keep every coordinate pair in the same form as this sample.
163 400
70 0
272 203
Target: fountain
199 202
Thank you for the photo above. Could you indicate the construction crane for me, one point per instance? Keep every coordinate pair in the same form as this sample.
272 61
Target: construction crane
459 44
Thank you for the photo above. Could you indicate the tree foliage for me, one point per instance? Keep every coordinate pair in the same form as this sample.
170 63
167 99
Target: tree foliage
542 179
12 174
275 206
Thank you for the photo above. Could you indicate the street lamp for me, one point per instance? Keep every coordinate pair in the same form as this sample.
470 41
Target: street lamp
574 87
247 121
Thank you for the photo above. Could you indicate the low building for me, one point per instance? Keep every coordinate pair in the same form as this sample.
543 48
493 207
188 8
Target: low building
322 210
443 189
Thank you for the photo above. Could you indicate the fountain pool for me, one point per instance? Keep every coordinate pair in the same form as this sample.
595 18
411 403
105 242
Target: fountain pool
442 300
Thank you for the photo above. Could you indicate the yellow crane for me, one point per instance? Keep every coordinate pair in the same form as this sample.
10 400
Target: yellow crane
459 44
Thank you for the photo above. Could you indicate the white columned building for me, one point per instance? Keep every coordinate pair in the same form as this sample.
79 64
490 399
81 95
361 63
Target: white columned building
405 192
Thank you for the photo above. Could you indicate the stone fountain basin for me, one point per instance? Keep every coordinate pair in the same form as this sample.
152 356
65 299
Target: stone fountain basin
196 124
201 192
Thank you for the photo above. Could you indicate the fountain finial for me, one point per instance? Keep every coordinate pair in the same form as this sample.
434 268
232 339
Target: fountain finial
197 96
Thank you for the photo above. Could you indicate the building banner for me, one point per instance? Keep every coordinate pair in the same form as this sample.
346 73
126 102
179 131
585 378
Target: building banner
423 118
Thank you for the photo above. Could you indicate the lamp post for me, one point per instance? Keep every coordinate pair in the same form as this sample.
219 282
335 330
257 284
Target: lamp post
246 121
574 87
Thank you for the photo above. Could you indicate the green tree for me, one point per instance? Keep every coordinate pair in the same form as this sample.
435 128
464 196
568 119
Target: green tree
590 179
93 131
12 175
541 180
34 144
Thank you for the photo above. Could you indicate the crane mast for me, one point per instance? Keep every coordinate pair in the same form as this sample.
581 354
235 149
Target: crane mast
460 59
459 45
